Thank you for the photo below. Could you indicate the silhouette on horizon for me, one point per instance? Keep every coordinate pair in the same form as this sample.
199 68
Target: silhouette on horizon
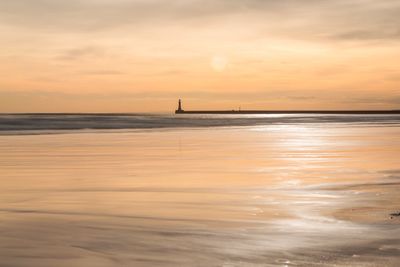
241 111
179 110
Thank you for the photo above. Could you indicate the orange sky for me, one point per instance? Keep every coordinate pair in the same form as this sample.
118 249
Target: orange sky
142 55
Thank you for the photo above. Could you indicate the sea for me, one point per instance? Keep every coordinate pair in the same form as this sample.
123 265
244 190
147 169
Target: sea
52 122
199 190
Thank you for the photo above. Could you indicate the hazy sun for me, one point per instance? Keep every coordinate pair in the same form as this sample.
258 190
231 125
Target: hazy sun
219 63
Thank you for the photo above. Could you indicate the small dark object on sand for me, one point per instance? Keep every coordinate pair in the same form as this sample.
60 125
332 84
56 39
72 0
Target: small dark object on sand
394 215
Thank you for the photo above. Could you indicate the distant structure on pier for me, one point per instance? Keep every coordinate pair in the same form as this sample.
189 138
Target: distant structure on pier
179 110
240 111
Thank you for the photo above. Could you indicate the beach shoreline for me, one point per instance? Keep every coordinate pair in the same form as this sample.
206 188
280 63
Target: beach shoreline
271 195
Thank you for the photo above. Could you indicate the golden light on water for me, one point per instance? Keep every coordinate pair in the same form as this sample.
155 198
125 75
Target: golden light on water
223 194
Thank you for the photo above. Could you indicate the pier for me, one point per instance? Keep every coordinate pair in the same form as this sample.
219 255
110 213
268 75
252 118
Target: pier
180 110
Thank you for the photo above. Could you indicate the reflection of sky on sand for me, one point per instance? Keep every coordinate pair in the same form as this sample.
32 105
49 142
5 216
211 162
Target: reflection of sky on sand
253 196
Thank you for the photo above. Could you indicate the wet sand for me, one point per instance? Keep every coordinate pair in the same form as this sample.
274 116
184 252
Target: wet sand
279 195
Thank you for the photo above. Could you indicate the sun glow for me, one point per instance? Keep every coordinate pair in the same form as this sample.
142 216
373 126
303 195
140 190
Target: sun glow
219 63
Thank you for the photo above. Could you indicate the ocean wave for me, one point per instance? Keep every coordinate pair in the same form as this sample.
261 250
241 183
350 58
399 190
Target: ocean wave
29 123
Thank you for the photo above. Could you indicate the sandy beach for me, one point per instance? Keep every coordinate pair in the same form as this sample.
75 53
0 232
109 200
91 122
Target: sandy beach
272 195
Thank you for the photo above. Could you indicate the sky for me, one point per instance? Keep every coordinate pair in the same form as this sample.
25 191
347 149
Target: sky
142 55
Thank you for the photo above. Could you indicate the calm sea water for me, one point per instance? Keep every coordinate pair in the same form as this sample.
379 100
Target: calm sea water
265 191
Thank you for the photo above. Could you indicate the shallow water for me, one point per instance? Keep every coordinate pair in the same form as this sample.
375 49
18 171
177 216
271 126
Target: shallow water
269 195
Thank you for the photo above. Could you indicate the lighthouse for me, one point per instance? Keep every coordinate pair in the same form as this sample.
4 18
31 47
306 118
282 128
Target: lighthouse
179 110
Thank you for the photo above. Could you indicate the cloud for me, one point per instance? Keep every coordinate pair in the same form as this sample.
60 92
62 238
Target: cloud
394 77
369 35
82 52
102 72
302 19
344 96
377 100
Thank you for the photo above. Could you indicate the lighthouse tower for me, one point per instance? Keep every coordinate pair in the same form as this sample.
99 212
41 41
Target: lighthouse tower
179 110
